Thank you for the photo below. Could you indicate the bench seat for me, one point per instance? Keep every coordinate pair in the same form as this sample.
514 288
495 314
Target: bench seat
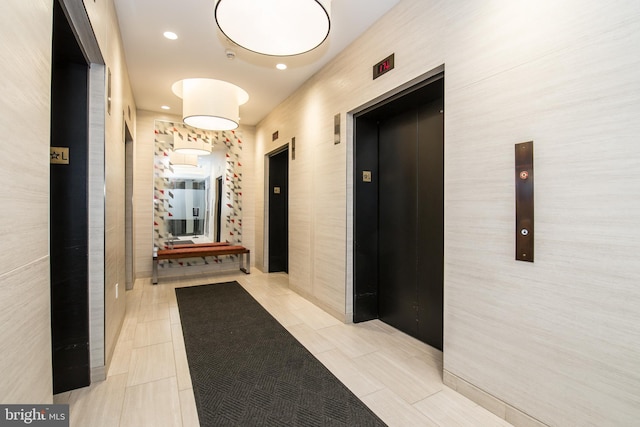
201 250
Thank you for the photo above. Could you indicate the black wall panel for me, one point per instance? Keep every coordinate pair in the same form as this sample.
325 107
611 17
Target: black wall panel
68 212
399 215
397 226
430 223
365 305
279 212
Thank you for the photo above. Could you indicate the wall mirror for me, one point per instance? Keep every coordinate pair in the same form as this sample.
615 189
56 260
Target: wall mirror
197 199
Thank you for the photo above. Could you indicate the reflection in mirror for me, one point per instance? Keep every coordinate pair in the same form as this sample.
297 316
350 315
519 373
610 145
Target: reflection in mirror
187 213
197 199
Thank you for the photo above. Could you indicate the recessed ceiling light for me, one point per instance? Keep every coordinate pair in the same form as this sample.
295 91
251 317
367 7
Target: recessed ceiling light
281 66
166 107
170 35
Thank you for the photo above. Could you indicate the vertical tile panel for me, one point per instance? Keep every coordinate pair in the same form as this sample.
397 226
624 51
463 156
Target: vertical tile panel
96 210
25 337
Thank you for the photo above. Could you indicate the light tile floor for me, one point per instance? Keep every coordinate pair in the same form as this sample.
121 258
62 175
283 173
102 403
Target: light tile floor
148 383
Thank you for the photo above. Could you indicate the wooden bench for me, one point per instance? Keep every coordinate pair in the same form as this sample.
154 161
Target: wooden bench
201 250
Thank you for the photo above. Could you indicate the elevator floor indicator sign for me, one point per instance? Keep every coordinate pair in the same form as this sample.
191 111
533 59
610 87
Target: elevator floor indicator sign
59 155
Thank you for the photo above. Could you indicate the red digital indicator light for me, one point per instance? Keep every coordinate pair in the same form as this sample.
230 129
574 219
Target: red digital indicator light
383 66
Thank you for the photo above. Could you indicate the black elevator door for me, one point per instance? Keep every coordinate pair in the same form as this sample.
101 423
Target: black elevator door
279 212
411 222
68 211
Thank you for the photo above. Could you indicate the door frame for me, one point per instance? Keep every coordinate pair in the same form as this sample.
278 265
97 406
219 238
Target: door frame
392 95
77 17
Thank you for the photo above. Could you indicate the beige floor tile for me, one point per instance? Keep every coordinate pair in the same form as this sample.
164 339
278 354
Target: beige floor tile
273 284
174 314
396 342
394 411
121 358
134 295
349 342
156 294
312 340
346 371
152 332
128 331
411 383
294 302
422 366
316 318
449 408
377 334
151 312
189 409
417 346
62 398
481 398
98 405
520 419
180 354
153 404
173 301
285 317
151 363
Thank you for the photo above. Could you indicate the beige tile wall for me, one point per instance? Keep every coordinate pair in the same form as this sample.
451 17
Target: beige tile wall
558 339
143 191
26 120
25 320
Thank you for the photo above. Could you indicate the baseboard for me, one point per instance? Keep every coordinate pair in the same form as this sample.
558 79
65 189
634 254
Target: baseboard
335 313
491 403
98 373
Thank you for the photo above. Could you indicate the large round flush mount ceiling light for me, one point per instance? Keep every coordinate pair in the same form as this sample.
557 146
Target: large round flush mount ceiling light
210 104
274 27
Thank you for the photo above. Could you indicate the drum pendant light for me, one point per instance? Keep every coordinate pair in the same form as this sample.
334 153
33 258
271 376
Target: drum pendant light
190 145
275 27
210 104
183 160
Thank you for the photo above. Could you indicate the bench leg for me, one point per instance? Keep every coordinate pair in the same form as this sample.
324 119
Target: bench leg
154 278
246 269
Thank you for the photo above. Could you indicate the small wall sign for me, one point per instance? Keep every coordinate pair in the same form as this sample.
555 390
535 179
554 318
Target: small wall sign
59 155
383 66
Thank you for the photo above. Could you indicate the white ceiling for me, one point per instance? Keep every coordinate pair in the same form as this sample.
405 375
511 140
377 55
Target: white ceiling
155 63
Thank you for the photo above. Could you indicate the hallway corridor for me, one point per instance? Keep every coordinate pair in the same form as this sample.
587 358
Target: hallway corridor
148 384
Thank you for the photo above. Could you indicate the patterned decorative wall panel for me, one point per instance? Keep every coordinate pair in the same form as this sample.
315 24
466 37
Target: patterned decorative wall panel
231 197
